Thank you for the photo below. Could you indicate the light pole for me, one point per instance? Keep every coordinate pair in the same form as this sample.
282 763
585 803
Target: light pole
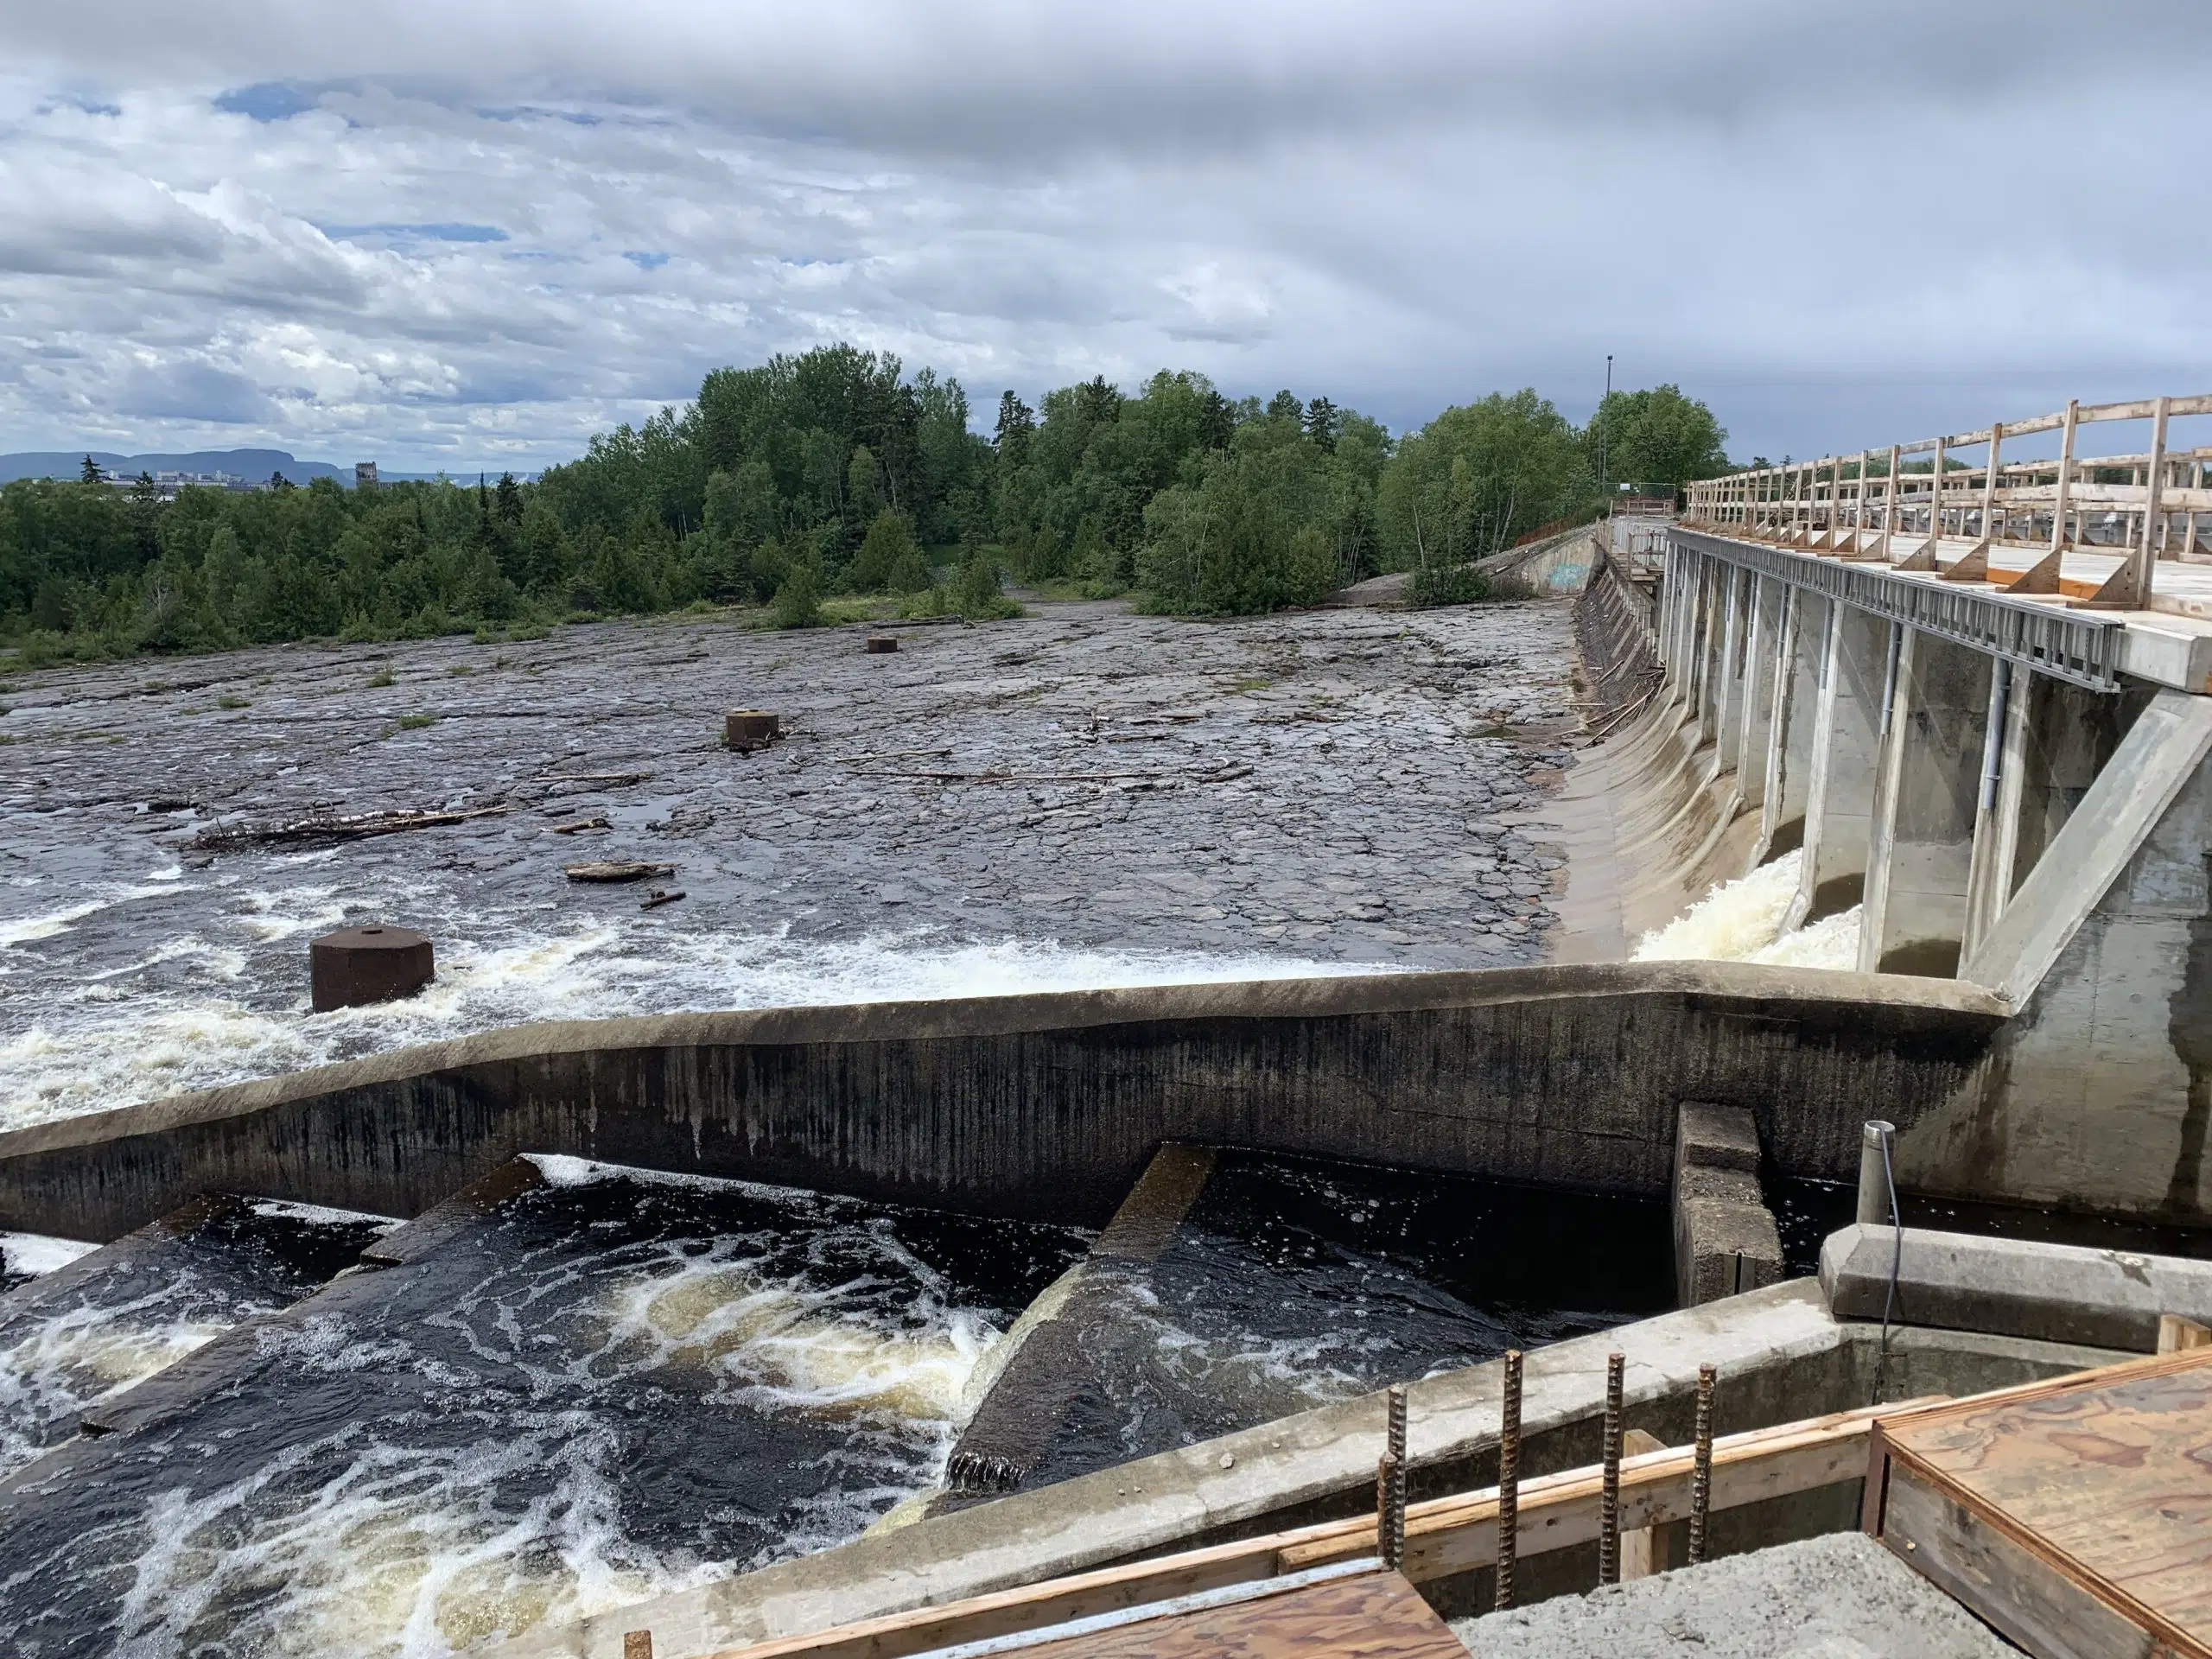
1606 434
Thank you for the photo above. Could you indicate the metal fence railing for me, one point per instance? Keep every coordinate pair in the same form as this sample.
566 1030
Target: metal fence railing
1893 506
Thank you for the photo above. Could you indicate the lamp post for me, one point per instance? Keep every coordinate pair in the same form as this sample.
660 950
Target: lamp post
1605 432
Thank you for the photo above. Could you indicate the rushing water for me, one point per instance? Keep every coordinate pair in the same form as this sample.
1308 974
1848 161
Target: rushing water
1294 1284
1744 920
608 1387
71 1339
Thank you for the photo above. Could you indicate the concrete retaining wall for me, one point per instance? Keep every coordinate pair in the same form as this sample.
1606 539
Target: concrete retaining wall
1558 564
1048 1105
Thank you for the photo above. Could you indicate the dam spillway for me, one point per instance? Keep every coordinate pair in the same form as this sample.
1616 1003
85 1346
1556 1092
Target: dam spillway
2008 806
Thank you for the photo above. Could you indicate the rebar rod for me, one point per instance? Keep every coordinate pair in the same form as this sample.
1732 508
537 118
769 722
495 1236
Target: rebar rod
1390 1511
1701 1470
1508 1480
1609 1496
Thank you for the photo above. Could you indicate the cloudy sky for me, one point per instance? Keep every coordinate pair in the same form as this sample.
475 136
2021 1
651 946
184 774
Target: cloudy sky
470 233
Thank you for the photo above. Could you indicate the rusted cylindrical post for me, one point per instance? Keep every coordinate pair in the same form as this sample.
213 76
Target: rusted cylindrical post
1509 1479
1701 1470
1390 1511
882 644
1393 1426
747 729
1609 1492
357 966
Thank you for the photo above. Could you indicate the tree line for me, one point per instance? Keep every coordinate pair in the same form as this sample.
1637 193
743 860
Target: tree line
834 471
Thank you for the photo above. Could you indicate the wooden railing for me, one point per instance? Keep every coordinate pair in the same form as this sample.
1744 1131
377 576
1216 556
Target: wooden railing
2146 507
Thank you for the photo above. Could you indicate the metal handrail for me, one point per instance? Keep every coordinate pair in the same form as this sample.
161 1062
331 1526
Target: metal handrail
2066 645
2044 504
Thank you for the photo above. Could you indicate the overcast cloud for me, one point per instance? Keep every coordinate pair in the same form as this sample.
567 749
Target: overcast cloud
470 234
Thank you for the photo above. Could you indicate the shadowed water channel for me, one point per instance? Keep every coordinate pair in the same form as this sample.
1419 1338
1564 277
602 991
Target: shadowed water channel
1292 1284
596 1386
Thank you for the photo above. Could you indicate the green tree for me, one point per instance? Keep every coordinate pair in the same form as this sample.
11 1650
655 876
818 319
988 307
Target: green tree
889 559
1478 476
1657 436
798 601
92 474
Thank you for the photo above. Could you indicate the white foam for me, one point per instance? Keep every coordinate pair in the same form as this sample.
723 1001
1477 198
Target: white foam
124 1036
25 930
1832 942
37 1253
350 1544
321 1215
73 1358
1742 921
1730 922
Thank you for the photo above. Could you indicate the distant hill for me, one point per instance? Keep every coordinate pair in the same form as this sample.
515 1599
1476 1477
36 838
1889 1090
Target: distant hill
252 465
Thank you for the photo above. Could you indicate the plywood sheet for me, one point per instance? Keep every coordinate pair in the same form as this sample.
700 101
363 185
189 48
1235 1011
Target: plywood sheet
1374 1615
2106 1477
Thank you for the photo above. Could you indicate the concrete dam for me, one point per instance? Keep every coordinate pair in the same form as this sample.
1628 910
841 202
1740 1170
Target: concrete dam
1885 798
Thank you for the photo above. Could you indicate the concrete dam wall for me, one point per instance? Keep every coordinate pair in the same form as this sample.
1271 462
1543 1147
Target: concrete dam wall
1046 1106
1988 790
2014 808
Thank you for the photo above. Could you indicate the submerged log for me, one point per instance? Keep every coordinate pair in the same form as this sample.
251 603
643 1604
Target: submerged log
332 826
616 870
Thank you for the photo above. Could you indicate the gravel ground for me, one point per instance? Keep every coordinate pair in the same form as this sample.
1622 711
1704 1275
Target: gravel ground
1840 1596
1093 796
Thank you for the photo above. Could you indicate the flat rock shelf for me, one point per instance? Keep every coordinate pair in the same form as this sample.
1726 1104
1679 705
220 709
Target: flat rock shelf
1082 796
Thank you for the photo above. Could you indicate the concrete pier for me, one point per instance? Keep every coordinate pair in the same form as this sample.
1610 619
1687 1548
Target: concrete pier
1725 1241
2013 793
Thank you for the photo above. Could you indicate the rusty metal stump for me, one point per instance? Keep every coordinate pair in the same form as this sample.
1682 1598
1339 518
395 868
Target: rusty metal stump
747 729
880 645
356 966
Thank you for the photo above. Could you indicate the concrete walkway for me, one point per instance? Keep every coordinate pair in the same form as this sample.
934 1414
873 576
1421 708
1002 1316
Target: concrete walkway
1840 1596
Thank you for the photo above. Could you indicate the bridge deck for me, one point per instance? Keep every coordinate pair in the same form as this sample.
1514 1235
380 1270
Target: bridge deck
2169 644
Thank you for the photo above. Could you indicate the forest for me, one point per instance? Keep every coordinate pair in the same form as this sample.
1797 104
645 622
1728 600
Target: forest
830 473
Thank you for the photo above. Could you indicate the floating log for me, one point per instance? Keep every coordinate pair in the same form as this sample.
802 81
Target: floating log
660 896
616 870
331 826
577 826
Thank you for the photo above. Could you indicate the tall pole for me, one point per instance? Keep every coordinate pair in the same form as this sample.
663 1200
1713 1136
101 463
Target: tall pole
1606 436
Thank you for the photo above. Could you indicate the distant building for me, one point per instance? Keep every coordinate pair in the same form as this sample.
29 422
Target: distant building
167 485
365 475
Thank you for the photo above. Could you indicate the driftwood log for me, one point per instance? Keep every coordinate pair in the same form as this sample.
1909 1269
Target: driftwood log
332 826
616 870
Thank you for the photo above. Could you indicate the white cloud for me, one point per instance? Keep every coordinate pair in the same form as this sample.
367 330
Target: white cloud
473 233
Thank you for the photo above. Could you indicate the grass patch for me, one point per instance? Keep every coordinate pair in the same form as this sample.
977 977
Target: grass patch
460 668
381 678
413 722
229 702
1252 682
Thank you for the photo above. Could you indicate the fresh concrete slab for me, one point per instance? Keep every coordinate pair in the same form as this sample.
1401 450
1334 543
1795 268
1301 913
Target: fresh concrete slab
1840 1596
2011 1286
